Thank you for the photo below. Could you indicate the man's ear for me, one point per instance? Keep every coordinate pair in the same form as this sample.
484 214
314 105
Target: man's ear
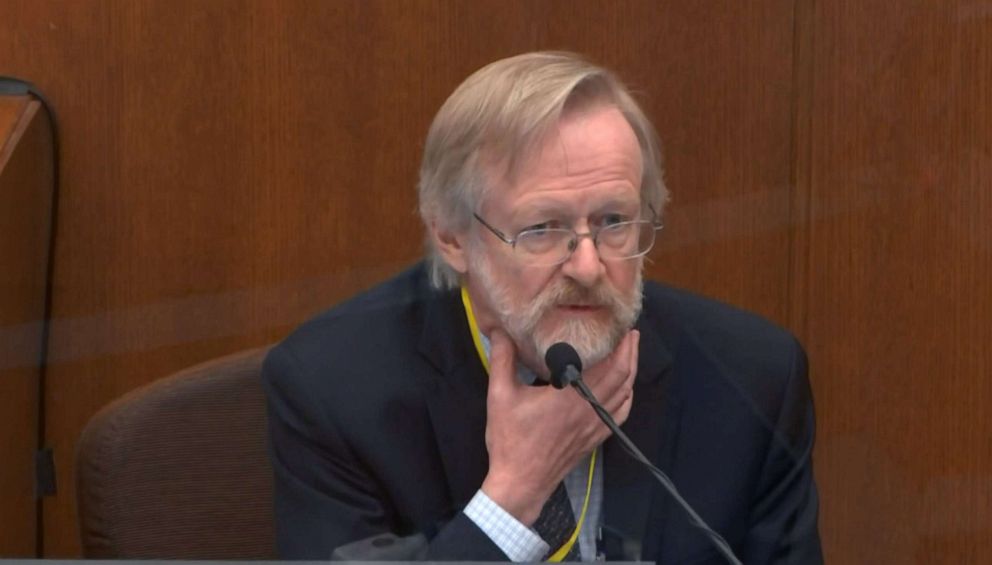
451 245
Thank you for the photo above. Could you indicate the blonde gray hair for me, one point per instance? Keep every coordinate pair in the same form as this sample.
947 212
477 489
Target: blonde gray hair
498 116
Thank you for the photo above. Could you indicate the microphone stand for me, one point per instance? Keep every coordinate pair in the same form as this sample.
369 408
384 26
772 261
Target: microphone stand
575 378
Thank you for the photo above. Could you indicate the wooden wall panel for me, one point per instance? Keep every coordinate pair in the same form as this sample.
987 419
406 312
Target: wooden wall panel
232 167
25 220
896 278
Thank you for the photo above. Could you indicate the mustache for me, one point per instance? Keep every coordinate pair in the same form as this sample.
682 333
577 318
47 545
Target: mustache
566 292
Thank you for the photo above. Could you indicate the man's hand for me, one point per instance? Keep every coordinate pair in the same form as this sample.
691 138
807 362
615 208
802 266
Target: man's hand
536 435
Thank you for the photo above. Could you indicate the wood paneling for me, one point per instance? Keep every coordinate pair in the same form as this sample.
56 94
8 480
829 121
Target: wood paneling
895 275
25 219
224 163
231 167
719 81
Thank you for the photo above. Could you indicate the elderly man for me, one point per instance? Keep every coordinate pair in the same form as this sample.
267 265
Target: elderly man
415 408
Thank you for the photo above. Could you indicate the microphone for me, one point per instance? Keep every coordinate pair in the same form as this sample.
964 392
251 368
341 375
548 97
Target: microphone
565 366
564 363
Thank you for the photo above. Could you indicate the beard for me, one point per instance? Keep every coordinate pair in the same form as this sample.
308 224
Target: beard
535 325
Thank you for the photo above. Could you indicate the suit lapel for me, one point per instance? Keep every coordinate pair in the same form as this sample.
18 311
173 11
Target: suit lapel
456 396
631 494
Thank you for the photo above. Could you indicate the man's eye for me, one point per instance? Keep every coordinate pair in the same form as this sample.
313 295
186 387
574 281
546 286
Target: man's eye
612 219
542 226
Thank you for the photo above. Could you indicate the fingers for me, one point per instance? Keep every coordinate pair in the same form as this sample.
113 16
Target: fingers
615 376
502 361
627 389
621 413
626 354
635 348
613 372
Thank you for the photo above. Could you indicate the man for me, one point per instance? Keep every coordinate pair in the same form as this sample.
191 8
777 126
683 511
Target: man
409 410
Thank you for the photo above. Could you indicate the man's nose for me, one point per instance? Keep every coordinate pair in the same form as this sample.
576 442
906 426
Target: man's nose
584 265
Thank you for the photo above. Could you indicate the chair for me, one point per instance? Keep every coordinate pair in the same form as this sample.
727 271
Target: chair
179 469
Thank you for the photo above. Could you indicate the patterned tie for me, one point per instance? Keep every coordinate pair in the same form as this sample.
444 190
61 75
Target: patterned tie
556 524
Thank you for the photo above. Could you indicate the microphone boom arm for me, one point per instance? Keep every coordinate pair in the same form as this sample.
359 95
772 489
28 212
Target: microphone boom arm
721 544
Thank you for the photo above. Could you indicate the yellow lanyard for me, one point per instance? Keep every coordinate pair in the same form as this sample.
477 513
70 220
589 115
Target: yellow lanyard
477 340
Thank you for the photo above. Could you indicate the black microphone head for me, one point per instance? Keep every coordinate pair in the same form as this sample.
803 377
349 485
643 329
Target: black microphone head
559 358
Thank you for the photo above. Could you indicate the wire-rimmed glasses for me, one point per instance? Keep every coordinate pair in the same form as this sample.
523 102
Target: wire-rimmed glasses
552 246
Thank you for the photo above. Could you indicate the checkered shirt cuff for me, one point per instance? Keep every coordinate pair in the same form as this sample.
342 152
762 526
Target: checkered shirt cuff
518 542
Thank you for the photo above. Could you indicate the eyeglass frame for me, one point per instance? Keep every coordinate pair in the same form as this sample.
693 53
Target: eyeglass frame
656 225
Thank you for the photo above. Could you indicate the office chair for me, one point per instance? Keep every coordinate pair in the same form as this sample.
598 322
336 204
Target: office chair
179 469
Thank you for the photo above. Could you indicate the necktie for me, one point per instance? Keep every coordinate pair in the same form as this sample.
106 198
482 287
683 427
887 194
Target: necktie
556 523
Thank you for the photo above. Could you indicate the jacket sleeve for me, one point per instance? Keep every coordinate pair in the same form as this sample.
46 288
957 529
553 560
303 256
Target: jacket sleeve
324 497
784 513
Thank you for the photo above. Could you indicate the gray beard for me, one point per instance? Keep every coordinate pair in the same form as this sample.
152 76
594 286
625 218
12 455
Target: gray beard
594 341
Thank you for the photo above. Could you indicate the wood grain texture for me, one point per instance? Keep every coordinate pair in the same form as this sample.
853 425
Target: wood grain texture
12 109
896 278
25 214
231 168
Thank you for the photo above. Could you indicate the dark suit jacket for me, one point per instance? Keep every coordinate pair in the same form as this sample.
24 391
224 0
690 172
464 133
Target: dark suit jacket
378 414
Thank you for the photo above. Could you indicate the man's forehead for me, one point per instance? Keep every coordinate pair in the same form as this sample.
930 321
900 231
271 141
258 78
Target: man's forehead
595 149
615 197
560 137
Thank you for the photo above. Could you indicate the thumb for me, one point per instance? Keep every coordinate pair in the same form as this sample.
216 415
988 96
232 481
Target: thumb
502 359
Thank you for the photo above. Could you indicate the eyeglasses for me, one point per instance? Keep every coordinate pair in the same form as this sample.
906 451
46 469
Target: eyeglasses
553 246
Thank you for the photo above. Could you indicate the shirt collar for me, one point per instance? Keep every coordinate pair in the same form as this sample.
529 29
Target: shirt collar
524 375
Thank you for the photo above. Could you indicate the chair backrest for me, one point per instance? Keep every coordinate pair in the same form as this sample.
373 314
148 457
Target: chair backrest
179 469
